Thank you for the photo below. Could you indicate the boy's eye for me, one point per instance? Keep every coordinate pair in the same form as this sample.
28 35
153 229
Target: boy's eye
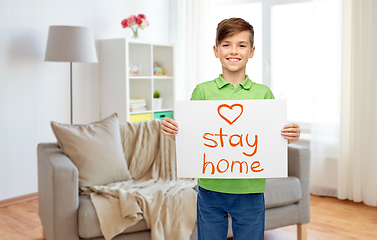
242 45
225 45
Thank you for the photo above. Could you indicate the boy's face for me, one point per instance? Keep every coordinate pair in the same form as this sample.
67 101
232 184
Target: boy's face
234 52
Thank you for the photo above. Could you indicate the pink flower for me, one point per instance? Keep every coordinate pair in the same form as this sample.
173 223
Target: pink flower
138 20
131 20
144 23
142 16
134 22
124 23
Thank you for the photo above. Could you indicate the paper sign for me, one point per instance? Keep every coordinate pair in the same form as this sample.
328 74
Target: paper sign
231 139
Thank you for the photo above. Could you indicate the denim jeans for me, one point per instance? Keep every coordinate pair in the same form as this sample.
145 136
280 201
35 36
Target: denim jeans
247 212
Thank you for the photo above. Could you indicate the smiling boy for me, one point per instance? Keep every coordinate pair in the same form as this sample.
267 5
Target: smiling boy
242 199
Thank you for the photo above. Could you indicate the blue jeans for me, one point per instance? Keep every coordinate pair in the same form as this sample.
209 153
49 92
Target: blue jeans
247 212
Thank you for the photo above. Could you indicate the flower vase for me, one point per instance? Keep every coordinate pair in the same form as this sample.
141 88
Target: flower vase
135 33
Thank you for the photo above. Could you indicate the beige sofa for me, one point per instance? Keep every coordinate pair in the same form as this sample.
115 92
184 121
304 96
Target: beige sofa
66 215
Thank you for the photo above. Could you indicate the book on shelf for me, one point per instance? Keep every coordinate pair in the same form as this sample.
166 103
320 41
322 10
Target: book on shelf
138 101
138 109
138 104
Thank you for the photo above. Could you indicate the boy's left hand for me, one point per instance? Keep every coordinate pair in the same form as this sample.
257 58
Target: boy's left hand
291 132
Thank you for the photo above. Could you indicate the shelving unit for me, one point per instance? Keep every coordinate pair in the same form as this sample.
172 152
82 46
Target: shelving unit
118 86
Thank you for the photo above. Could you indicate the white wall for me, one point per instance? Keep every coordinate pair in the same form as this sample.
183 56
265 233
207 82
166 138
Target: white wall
34 92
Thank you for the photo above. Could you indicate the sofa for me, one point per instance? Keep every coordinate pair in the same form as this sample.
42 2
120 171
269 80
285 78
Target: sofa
66 215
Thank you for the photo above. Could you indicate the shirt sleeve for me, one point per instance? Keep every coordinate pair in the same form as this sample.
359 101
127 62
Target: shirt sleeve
197 94
269 94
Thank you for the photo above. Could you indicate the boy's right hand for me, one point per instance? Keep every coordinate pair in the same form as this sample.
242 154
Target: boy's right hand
169 127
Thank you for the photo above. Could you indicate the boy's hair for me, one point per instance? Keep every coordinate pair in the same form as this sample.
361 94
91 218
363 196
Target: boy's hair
229 27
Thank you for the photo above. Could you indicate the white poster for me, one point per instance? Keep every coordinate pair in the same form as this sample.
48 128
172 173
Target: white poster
231 139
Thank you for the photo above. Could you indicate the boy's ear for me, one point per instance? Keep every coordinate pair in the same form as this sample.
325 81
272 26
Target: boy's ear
215 51
252 52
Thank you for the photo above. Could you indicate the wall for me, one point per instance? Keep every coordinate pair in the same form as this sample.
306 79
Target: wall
34 92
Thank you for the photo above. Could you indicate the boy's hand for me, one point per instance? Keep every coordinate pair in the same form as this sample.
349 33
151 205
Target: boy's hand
169 127
291 132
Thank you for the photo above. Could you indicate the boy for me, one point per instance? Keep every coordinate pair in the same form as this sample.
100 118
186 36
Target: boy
242 199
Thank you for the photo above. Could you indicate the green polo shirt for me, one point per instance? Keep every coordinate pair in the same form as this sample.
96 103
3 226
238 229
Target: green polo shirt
220 89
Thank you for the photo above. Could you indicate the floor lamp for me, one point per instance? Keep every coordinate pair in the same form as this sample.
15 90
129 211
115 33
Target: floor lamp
70 44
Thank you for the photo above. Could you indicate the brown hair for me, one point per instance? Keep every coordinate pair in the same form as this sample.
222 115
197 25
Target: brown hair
229 27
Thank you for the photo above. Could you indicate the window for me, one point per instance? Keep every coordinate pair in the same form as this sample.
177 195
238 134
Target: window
283 41
288 36
292 41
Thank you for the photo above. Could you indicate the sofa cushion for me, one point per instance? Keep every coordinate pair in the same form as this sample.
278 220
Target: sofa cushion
282 191
95 149
88 223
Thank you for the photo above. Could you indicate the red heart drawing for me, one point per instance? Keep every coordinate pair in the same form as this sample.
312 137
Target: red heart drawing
231 108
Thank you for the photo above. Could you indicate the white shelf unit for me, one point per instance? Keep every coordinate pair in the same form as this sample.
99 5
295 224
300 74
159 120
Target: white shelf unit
117 86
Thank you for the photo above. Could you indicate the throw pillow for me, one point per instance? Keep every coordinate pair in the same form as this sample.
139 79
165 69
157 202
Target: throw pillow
95 149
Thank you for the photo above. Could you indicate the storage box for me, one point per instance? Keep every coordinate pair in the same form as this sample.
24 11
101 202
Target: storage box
141 117
162 115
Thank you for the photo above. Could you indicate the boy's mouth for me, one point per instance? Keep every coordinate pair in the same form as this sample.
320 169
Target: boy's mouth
233 59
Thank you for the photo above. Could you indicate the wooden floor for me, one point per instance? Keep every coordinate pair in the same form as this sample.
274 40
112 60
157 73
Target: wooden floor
331 219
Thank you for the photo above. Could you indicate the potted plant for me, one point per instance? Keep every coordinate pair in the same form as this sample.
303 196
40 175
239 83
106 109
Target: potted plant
157 101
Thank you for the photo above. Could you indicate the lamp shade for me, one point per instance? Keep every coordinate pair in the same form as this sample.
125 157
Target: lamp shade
70 44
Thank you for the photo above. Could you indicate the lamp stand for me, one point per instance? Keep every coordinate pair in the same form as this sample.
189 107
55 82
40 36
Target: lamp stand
71 95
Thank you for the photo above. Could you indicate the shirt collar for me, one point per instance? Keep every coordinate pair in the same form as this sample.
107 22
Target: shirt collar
221 82
247 83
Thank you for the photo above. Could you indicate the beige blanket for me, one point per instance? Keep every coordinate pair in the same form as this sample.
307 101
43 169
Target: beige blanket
167 204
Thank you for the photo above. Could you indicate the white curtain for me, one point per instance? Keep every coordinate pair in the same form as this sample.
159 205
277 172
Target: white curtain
193 44
358 148
344 146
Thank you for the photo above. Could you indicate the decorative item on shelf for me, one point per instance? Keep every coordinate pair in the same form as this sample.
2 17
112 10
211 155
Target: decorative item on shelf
135 69
138 105
135 22
157 70
157 101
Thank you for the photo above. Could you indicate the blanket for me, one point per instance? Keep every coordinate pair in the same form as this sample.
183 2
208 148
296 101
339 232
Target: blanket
167 204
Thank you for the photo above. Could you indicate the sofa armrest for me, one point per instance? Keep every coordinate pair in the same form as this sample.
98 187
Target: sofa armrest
299 166
57 192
